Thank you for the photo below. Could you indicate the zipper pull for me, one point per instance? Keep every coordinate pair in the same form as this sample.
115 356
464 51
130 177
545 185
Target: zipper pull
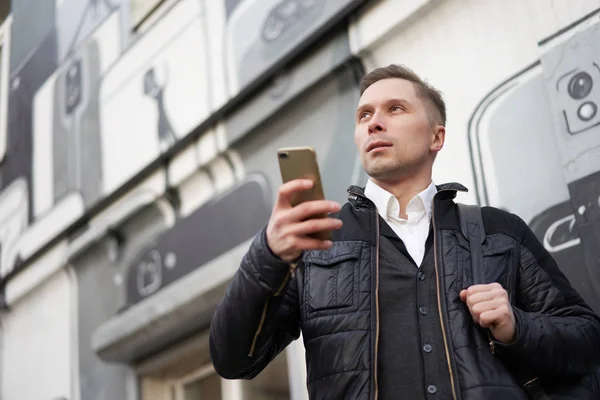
492 347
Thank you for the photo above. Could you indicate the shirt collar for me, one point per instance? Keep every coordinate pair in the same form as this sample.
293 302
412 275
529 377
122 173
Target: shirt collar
388 206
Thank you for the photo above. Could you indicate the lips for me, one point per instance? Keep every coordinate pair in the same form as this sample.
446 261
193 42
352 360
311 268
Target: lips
378 144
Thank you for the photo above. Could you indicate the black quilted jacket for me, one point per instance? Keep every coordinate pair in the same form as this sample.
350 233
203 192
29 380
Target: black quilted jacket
268 303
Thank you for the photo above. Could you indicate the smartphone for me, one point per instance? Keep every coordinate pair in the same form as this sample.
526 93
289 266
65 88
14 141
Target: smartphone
301 163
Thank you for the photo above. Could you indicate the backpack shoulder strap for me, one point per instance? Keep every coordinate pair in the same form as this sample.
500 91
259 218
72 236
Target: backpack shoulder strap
471 224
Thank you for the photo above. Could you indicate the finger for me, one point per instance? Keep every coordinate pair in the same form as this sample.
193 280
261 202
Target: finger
288 189
480 297
306 243
315 225
463 295
485 306
490 318
483 288
310 209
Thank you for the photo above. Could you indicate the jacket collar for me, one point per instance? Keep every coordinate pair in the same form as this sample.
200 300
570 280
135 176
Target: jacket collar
387 204
356 194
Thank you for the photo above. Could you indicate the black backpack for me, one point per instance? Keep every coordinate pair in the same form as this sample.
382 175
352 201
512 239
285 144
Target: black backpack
578 388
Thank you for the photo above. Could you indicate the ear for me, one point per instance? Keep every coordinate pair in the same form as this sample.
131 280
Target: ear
438 138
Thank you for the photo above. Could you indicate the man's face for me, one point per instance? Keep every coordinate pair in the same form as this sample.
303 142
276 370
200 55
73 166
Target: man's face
393 134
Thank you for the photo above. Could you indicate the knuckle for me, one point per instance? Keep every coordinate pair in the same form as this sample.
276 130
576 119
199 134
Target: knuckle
470 304
284 232
277 223
312 225
304 208
292 242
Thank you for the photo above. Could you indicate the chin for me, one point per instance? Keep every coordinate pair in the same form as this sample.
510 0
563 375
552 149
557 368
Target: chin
381 172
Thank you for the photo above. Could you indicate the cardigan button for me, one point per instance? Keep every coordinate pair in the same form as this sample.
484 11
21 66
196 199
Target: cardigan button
431 389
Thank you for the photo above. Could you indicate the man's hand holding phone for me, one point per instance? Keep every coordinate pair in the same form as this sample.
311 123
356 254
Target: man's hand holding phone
290 226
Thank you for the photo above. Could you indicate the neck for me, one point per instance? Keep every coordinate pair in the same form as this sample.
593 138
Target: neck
405 189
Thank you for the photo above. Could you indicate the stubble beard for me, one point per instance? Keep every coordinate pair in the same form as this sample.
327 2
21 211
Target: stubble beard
384 169
390 170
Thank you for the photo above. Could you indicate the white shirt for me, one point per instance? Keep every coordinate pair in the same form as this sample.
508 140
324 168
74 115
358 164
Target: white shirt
414 230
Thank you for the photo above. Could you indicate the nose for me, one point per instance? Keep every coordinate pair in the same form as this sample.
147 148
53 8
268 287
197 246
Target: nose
376 124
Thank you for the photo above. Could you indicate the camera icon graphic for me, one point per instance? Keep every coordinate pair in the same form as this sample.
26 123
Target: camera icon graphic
284 16
579 93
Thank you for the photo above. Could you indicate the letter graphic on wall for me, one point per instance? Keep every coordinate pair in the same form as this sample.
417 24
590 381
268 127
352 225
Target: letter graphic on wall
535 144
572 77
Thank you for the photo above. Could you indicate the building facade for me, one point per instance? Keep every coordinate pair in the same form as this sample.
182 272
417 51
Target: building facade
138 145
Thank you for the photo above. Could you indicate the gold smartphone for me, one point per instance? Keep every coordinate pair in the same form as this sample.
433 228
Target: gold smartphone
301 163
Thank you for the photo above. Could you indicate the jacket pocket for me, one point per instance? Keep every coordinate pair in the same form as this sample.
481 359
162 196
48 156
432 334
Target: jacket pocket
500 261
331 279
501 265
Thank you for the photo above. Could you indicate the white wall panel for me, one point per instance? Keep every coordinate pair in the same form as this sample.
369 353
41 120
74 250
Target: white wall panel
37 343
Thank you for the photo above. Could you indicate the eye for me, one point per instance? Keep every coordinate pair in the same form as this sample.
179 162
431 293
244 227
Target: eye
363 115
396 108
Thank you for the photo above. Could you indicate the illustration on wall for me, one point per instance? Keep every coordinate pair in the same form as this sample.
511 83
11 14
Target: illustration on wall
213 229
17 170
77 151
156 94
13 221
74 122
541 128
76 21
155 81
260 33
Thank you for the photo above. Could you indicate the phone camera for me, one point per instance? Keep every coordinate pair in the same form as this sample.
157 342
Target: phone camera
283 155
587 111
580 85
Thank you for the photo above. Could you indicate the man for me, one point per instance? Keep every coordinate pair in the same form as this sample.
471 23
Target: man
387 308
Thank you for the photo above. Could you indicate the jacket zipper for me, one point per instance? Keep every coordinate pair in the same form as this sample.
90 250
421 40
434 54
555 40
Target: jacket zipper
263 316
376 394
437 278
375 361
439 300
